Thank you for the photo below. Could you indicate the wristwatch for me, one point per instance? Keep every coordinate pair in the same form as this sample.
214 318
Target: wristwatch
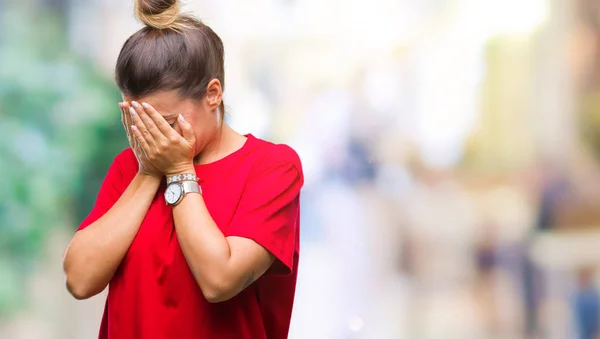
177 190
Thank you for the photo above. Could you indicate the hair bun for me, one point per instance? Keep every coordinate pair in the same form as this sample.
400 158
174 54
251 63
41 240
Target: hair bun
159 14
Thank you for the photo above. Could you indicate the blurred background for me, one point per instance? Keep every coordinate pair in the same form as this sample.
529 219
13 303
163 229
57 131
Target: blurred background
451 151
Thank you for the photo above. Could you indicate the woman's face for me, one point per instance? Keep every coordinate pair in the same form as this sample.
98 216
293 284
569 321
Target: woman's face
201 114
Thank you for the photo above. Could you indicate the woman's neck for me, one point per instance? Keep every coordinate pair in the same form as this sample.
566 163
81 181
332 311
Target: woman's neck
226 142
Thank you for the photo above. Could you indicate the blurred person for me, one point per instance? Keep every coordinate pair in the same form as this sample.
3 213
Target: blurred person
586 305
554 186
212 252
554 189
486 288
344 206
443 256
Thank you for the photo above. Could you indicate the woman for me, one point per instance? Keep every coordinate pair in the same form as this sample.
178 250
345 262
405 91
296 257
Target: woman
196 227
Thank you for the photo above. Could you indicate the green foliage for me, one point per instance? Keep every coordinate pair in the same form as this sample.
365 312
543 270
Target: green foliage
59 131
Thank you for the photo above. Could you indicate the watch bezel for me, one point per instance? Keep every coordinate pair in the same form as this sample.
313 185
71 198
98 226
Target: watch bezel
179 193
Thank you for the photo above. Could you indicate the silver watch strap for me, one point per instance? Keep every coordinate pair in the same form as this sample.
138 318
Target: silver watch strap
191 187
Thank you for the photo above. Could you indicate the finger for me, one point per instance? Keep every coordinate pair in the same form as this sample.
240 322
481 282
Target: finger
158 120
125 119
156 133
126 123
133 142
186 129
141 139
135 145
141 128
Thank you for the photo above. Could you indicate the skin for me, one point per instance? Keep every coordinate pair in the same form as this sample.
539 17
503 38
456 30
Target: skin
169 135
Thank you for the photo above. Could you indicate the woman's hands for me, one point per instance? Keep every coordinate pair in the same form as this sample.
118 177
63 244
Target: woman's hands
145 166
167 151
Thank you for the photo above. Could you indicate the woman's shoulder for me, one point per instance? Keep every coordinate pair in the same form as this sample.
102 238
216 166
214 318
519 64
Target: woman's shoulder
272 154
274 166
126 161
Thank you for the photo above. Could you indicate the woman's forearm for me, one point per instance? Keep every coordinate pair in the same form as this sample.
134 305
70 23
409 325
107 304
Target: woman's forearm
205 247
95 252
222 266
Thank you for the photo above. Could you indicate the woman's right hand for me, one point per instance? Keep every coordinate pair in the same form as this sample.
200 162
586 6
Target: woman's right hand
145 166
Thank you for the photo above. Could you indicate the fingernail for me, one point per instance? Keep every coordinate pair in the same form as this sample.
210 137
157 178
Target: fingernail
133 128
121 104
146 106
135 104
181 118
132 111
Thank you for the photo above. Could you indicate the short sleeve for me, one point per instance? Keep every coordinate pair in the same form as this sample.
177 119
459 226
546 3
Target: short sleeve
110 191
268 212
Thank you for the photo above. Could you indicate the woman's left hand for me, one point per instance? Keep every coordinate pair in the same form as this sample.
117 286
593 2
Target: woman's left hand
168 151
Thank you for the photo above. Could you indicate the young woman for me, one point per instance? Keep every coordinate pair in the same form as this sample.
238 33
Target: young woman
196 227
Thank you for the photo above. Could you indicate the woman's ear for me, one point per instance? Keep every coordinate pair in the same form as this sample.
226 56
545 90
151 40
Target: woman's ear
214 94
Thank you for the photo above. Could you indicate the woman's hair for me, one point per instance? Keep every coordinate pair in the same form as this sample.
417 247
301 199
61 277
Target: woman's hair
173 52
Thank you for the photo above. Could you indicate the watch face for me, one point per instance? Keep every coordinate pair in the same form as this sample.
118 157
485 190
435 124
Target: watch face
173 193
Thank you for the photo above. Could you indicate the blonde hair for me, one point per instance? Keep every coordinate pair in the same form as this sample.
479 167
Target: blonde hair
159 14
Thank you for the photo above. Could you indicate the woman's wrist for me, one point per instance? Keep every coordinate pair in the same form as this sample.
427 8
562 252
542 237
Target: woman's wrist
187 169
148 178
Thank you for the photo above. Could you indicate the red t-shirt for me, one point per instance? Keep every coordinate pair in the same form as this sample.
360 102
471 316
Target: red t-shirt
252 193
